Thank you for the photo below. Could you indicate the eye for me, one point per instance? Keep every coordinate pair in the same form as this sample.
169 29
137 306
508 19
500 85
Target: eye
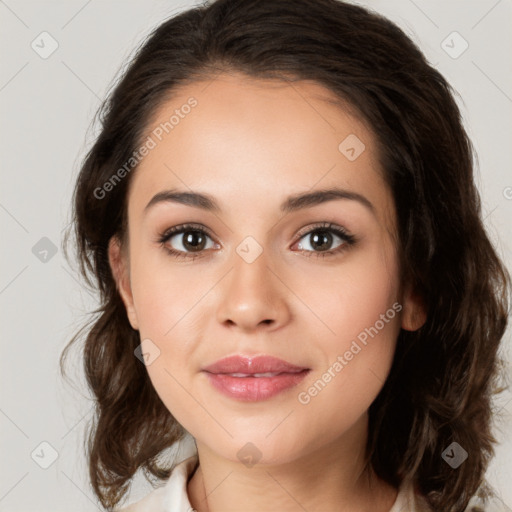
192 240
320 239
189 240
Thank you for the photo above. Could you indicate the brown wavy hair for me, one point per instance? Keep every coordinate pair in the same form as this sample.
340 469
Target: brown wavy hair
443 375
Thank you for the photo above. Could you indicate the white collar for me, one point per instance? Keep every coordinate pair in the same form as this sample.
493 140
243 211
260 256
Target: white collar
173 497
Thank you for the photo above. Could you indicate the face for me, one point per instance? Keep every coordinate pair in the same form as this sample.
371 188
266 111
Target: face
256 271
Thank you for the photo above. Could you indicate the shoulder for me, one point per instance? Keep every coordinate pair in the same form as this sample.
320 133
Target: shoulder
491 503
411 501
153 501
172 496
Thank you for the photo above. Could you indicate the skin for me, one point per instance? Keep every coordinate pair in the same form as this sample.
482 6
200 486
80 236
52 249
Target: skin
246 140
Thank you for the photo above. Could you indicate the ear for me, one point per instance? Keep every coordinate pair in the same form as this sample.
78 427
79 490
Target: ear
120 270
414 313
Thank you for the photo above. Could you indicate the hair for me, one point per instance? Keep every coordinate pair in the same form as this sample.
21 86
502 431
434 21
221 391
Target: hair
443 375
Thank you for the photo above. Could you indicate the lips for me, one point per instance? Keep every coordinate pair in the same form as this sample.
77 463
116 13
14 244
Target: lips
252 379
252 366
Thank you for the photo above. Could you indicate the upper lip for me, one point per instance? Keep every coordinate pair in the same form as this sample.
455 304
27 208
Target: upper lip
250 365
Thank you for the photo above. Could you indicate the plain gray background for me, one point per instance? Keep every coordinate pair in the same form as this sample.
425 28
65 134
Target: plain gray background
47 105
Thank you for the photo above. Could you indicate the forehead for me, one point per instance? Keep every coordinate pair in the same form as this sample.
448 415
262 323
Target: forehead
257 138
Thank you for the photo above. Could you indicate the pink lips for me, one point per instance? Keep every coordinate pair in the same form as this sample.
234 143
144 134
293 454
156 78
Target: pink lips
252 379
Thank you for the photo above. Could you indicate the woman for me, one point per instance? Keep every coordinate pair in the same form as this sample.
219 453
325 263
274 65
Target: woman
331 347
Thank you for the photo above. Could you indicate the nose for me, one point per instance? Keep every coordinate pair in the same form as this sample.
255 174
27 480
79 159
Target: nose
253 296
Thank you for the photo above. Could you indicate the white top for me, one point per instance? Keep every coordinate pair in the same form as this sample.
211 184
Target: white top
172 496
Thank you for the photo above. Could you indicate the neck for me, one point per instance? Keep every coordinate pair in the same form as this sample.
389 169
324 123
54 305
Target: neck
335 477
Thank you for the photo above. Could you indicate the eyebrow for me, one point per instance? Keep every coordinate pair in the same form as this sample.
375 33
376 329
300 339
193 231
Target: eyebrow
291 204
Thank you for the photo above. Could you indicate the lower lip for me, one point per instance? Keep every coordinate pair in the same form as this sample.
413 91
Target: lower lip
253 389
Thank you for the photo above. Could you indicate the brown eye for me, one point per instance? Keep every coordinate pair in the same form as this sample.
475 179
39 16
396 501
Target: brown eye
319 241
188 240
182 241
193 240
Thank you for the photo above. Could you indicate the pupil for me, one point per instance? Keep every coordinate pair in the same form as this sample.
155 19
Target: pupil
193 240
323 240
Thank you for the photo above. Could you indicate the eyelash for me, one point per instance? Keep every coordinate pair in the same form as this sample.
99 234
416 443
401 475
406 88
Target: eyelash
348 239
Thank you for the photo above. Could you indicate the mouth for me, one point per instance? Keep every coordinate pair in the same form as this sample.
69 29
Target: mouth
253 379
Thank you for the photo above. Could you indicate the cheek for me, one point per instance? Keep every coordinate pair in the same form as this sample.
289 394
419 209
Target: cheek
162 297
363 316
352 297
166 306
